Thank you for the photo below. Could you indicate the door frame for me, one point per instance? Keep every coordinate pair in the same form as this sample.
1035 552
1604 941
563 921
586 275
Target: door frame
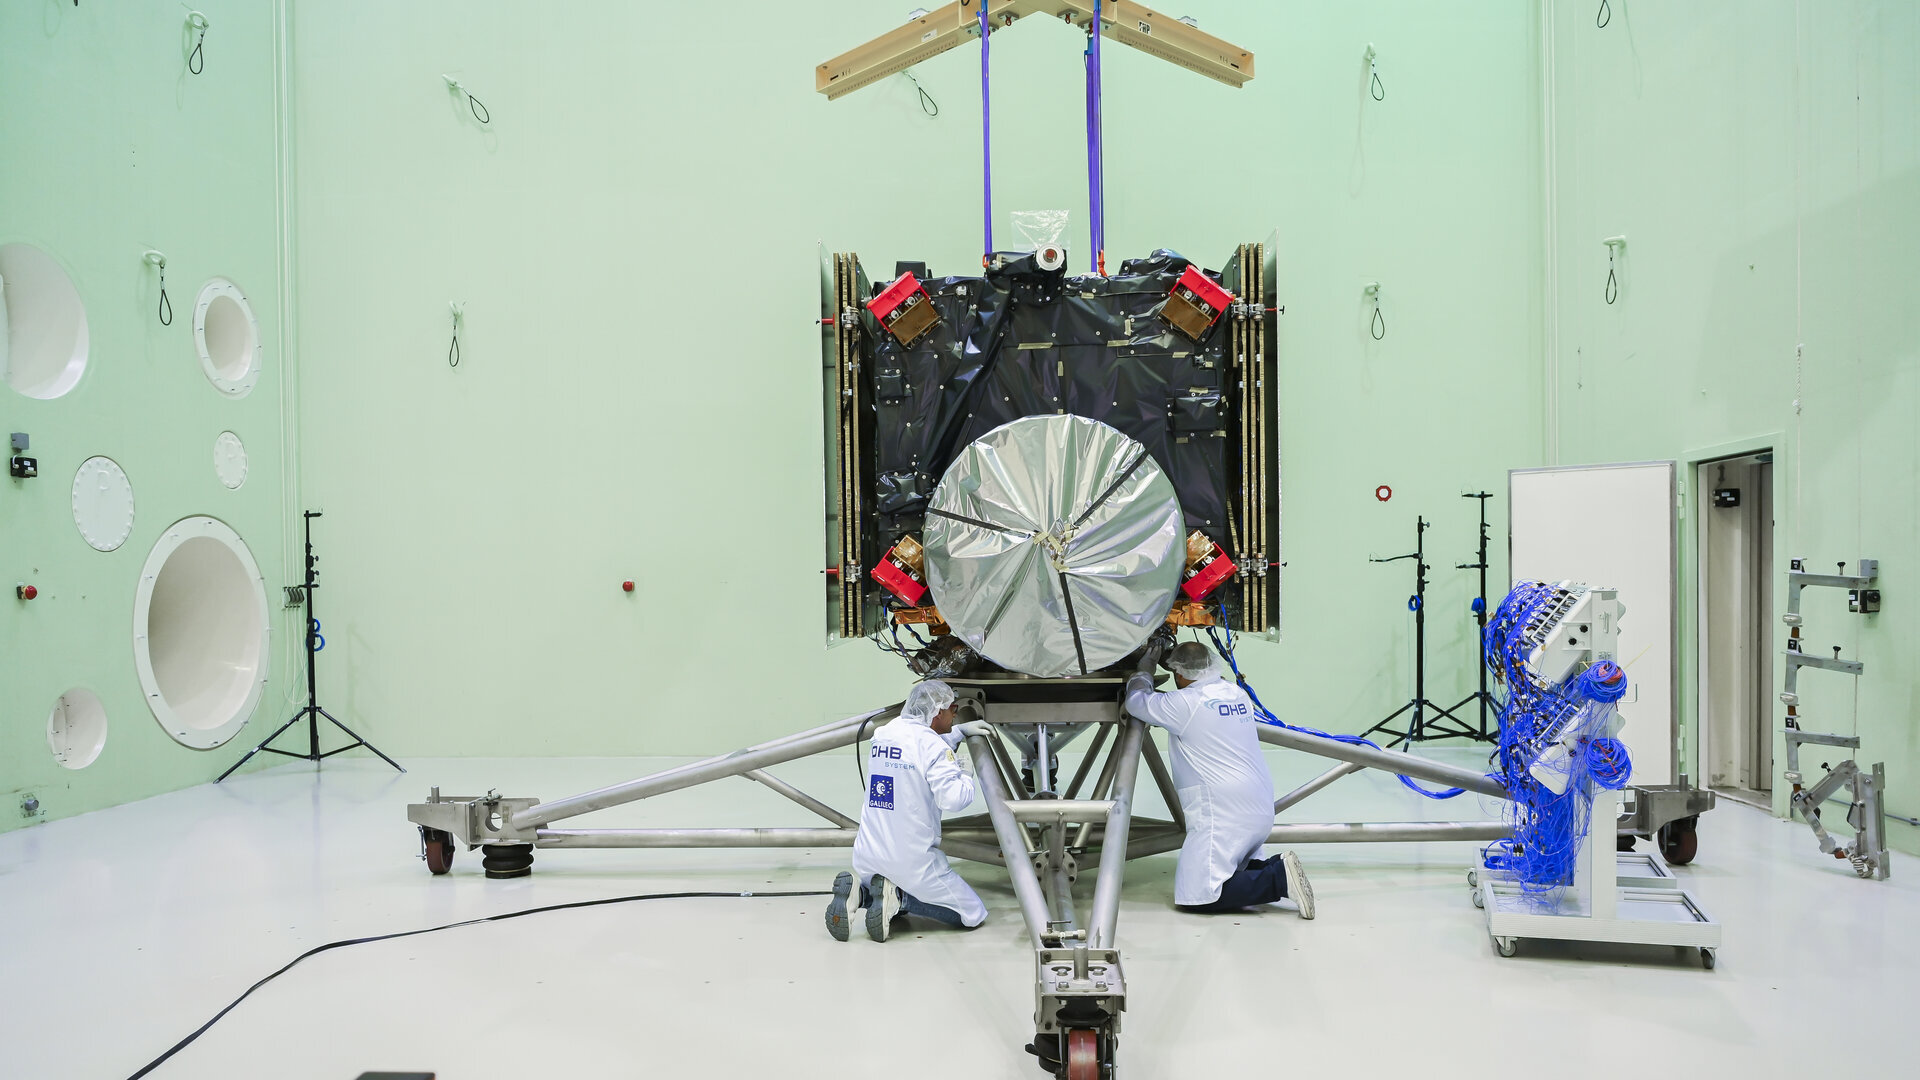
1692 645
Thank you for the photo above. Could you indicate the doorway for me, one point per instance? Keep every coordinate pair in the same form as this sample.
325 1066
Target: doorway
1736 625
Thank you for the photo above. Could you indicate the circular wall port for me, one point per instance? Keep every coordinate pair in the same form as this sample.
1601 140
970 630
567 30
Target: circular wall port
102 503
43 324
200 632
227 337
230 459
77 728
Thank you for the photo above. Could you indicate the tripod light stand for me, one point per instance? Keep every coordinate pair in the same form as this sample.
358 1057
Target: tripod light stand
1428 720
312 712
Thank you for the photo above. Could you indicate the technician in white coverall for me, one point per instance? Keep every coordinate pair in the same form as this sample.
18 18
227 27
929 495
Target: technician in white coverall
898 867
1224 787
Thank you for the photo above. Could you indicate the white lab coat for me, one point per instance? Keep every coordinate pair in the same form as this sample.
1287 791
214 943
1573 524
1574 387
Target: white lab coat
914 777
1219 774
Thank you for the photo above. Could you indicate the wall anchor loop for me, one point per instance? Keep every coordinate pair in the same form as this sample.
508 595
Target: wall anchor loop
158 261
1615 245
197 58
474 105
927 104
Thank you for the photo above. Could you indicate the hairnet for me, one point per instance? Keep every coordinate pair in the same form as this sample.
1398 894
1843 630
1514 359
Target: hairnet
1190 660
926 699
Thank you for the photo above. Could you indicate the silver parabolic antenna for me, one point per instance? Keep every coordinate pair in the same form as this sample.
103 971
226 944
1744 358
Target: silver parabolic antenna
1054 545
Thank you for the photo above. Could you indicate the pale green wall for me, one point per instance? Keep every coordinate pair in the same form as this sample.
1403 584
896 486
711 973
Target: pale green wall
635 236
1763 160
108 147
635 193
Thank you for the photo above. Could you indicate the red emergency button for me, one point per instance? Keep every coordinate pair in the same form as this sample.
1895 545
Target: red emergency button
626 586
25 592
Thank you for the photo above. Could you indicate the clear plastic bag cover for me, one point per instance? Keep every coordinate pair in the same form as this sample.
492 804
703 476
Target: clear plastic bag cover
1040 228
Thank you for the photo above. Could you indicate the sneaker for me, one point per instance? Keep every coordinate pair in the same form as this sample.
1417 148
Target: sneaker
1299 889
883 906
846 901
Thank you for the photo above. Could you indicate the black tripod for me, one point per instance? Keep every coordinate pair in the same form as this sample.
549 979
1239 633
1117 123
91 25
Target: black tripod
312 712
1428 720
1482 695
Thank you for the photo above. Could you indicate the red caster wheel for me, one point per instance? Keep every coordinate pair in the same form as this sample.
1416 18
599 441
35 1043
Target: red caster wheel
437 848
1679 843
1083 1055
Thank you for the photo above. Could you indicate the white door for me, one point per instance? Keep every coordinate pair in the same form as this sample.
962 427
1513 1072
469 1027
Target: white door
1613 525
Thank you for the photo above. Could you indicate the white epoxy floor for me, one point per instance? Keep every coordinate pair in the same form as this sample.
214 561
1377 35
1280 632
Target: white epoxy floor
128 928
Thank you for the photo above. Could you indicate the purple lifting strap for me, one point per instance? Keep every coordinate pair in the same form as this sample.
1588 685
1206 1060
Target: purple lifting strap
986 136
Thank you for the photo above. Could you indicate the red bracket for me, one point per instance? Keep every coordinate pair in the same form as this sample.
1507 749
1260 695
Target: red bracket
904 309
1195 303
899 580
1212 573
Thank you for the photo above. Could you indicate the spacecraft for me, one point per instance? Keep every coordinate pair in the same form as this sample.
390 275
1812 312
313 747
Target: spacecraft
1030 472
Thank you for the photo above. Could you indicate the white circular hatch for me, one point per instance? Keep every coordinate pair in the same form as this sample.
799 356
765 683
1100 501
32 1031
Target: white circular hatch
102 503
77 728
200 632
43 324
227 337
230 459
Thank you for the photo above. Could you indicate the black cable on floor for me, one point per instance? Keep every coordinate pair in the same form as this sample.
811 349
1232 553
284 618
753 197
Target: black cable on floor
318 949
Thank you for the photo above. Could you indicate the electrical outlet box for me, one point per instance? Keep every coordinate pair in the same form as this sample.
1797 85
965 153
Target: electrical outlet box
23 468
21 444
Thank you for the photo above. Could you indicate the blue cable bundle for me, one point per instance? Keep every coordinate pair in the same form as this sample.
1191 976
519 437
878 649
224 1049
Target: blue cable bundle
1267 717
1548 828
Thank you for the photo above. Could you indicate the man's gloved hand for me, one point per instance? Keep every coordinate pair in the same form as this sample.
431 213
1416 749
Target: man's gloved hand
973 727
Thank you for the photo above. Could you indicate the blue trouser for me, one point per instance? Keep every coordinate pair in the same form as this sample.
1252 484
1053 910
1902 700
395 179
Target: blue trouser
1258 881
911 906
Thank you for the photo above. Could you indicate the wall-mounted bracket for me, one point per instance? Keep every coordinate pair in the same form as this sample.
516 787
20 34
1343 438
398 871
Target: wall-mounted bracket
1799 578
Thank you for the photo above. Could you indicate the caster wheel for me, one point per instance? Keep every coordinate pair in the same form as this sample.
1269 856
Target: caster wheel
508 860
1473 879
437 848
1706 959
1505 946
1624 842
1679 843
1478 900
1083 1054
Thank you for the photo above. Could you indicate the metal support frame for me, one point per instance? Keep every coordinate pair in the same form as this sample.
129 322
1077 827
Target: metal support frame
1866 811
1600 905
1393 761
1045 841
